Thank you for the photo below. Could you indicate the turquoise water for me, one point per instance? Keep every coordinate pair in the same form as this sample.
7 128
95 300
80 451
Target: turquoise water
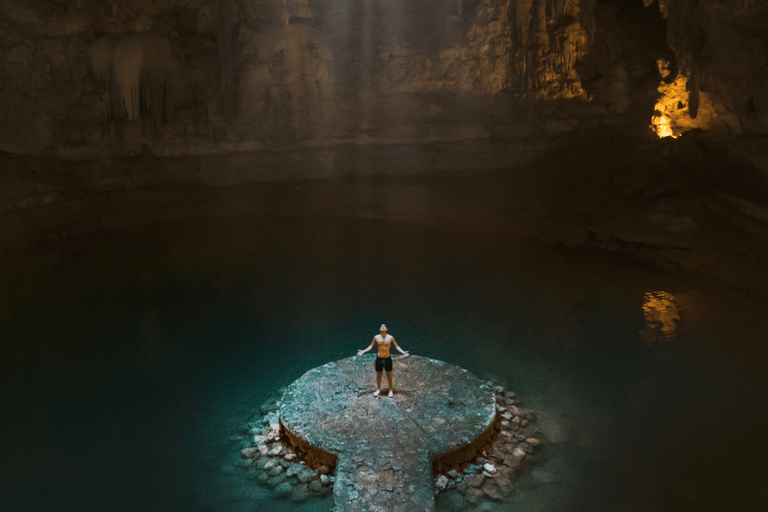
130 357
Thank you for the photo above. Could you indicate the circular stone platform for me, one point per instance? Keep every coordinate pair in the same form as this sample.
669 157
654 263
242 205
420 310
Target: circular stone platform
385 446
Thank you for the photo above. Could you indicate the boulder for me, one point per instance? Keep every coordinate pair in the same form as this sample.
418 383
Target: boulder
325 480
441 483
300 493
275 471
272 482
307 475
474 495
271 463
489 468
472 469
289 457
283 490
474 480
249 453
323 470
276 450
499 487
295 469
316 486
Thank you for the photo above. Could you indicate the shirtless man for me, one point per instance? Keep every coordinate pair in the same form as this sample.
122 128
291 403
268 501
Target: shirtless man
383 359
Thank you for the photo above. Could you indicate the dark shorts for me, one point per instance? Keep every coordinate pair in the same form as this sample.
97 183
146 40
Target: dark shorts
383 364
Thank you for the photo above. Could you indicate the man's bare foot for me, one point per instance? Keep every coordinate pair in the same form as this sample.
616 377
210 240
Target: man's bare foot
377 392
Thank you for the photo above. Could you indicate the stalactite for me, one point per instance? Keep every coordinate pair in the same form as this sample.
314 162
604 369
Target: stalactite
138 69
550 35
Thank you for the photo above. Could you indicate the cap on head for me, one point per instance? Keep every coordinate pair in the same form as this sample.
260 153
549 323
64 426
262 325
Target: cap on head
383 328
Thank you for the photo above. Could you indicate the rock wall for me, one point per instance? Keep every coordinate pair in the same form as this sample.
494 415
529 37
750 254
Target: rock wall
81 79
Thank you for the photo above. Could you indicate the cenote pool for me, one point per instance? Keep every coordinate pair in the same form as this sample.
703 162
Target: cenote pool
131 357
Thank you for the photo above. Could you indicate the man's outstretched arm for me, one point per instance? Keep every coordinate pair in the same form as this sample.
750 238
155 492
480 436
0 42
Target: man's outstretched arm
361 352
404 352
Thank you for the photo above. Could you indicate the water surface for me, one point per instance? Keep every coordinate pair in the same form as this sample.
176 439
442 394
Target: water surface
131 356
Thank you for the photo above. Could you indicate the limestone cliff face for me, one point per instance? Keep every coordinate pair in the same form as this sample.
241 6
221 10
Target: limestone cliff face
85 78
720 52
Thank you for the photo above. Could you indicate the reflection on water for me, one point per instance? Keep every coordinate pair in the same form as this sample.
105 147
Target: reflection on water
660 311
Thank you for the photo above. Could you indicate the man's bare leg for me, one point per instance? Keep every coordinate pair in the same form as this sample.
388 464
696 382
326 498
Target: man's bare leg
378 384
389 380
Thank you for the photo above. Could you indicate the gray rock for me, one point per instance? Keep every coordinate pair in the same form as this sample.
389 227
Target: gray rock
503 482
283 490
323 470
472 469
441 483
492 490
275 480
271 463
262 477
275 471
474 495
461 487
453 474
249 453
489 468
300 493
316 486
294 469
474 480
325 480
247 463
289 457
307 475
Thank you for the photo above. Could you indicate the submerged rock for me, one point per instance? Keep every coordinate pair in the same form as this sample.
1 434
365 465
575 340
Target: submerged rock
283 490
275 480
316 486
307 475
249 453
300 493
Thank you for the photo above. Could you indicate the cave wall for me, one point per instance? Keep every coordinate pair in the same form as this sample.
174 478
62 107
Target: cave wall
81 79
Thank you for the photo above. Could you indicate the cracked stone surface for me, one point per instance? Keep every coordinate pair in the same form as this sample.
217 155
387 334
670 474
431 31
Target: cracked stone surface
385 445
